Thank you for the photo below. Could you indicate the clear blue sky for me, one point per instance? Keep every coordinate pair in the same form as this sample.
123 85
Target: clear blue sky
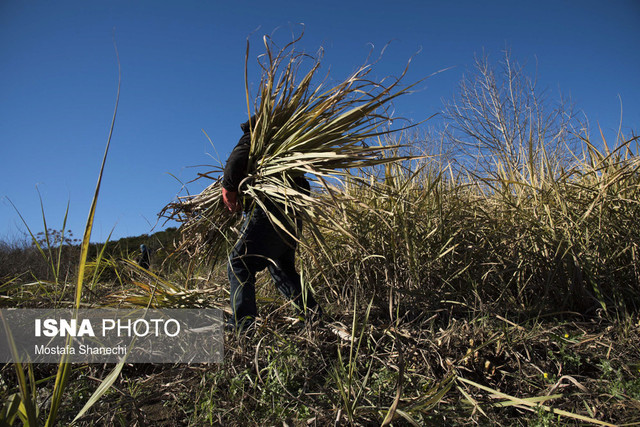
182 71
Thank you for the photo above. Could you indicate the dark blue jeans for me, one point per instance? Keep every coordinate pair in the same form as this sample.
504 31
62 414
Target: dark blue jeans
263 245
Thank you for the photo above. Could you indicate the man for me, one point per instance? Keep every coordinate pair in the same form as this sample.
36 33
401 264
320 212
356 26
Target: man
144 260
261 244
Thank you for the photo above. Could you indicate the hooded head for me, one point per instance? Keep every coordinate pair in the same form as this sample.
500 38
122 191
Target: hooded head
251 123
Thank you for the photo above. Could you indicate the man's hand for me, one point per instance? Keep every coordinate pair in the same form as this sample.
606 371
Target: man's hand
230 199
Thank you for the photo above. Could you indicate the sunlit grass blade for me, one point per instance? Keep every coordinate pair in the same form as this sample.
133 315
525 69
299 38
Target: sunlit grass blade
64 367
27 409
10 409
534 404
104 386
62 240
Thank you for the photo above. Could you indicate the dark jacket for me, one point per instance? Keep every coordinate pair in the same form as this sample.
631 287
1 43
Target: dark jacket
236 168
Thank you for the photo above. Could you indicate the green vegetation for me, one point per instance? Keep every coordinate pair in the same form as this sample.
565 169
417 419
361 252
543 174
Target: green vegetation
498 289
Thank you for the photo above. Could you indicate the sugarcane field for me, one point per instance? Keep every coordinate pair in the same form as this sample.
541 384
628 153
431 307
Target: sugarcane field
283 232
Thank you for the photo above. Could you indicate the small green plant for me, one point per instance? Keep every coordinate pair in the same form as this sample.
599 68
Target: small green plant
545 419
621 385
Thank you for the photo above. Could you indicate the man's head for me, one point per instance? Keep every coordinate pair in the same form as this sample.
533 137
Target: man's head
251 123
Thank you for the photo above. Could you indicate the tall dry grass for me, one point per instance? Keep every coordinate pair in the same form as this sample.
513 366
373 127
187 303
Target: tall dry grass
530 240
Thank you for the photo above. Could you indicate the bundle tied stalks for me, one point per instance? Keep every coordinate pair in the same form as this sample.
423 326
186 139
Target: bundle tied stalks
301 128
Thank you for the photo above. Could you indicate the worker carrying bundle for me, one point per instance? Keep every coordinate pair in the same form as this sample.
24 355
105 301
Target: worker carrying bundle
297 128
262 244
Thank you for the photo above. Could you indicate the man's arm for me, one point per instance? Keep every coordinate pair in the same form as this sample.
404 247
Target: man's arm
234 172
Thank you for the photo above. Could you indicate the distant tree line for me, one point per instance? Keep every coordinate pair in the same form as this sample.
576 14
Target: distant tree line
30 257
